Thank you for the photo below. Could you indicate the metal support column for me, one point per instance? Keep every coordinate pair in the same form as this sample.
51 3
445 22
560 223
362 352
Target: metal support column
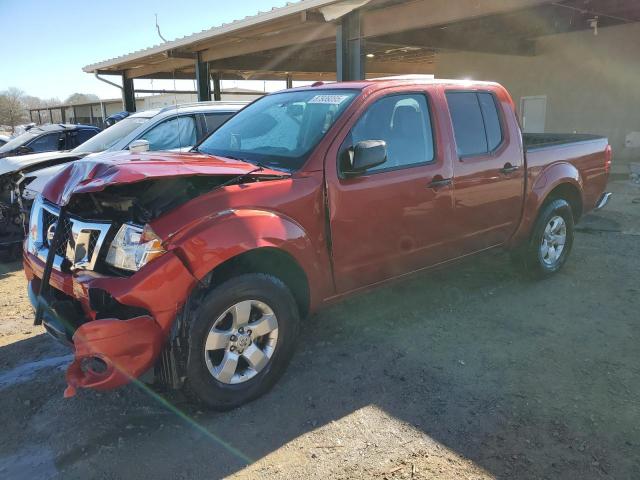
289 80
128 94
203 81
63 115
75 114
350 54
217 90
31 115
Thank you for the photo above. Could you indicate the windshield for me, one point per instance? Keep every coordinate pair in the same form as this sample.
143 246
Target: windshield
111 135
19 140
279 130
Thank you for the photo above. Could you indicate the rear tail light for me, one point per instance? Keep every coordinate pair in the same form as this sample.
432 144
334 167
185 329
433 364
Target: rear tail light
608 157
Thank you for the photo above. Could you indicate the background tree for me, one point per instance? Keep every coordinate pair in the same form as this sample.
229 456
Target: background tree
82 98
12 108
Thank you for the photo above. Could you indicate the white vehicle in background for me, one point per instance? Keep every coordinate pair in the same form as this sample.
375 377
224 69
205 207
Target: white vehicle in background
169 128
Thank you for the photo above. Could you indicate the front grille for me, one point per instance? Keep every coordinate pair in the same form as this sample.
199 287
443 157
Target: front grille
50 219
93 241
79 243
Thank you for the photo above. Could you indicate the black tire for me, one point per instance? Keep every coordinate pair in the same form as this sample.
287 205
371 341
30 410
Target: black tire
200 385
529 257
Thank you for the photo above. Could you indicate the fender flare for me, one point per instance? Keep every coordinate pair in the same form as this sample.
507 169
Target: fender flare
214 240
548 180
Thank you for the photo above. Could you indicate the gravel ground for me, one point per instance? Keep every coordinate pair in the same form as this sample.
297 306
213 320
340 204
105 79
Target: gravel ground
472 372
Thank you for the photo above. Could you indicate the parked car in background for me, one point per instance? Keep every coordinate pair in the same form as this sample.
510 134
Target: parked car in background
199 266
168 128
4 139
48 138
115 118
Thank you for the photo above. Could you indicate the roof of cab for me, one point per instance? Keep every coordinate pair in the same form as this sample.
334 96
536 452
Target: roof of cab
195 107
386 82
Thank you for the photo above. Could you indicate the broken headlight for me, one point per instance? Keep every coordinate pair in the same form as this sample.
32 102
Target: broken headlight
133 247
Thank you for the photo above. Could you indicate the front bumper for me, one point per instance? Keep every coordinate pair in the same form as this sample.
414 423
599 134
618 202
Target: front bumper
118 324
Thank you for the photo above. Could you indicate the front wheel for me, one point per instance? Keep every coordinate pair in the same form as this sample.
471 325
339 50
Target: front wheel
550 242
240 342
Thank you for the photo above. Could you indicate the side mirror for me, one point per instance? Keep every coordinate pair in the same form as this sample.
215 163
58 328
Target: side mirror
24 150
363 156
138 146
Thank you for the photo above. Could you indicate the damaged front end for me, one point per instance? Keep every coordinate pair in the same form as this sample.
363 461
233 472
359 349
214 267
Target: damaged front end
12 214
100 279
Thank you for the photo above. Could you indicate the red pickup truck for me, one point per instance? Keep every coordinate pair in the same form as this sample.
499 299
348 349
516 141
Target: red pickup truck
196 268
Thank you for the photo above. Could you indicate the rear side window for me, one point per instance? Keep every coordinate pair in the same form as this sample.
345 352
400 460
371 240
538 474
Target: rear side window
476 123
84 135
214 120
78 137
404 123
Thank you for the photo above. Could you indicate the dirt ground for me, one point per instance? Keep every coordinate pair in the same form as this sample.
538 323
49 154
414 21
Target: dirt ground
470 373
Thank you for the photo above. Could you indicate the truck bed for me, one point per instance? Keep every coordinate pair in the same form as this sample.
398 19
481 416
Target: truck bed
535 141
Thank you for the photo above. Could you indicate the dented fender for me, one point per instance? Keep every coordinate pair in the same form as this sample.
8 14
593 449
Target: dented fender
213 240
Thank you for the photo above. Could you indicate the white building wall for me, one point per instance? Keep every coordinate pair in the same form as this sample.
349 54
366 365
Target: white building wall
592 83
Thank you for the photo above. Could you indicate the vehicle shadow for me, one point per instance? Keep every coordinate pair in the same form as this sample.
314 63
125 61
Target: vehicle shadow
9 267
525 379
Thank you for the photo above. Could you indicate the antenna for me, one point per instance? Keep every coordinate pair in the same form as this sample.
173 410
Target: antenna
158 29
175 97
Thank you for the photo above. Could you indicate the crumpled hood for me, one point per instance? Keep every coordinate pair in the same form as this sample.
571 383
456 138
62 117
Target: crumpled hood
95 173
15 164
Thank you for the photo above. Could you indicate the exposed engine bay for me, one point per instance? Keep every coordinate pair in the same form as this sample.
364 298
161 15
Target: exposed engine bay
12 214
143 201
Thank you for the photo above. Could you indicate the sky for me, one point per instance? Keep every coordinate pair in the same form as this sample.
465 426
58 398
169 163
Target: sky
47 42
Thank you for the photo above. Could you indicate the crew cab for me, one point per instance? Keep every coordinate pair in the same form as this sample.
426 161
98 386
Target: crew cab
168 128
195 269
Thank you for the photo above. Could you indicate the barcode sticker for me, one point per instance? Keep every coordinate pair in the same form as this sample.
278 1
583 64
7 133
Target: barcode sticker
329 99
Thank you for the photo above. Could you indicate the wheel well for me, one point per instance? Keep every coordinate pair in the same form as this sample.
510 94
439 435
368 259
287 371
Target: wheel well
571 194
270 261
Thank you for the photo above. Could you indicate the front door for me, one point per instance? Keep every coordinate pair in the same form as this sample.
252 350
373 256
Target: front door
392 219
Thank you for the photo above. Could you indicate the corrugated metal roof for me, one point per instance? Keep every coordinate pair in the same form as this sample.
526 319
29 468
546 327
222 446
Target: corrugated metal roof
249 21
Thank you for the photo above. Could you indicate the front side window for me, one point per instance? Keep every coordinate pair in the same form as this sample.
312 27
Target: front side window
171 134
476 124
279 130
46 143
404 123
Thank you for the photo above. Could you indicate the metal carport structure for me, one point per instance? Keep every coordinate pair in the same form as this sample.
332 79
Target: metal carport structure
354 39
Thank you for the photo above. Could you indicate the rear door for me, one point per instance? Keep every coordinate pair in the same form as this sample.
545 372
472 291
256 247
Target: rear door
392 219
488 172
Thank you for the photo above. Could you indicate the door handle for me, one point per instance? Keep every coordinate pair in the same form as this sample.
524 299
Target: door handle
438 182
508 168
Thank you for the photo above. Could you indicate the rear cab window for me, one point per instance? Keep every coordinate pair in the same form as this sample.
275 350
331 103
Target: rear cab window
476 122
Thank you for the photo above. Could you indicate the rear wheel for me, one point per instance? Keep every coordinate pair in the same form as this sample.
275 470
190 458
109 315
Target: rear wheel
550 242
241 340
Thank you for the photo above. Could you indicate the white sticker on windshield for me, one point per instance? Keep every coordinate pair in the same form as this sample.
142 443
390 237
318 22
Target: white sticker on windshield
329 99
